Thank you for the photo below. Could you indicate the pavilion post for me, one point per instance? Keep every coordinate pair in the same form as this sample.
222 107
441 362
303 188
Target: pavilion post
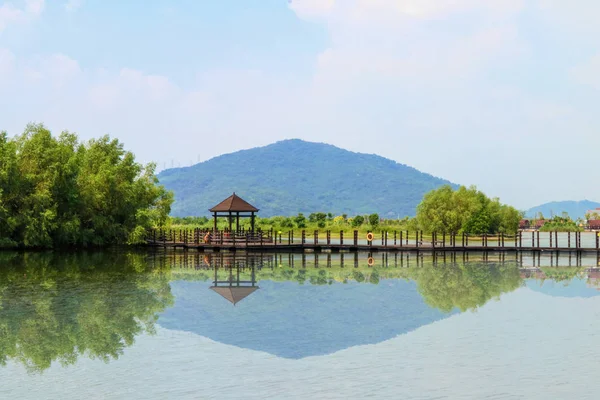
252 222
237 222
215 221
230 220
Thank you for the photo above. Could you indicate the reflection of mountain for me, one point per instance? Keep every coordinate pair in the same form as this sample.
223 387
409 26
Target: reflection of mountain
296 321
576 287
57 307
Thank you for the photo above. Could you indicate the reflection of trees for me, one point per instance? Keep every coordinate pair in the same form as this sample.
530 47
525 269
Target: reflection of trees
57 307
561 274
465 286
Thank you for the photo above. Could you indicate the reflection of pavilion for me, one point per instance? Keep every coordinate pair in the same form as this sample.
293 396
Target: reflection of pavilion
234 289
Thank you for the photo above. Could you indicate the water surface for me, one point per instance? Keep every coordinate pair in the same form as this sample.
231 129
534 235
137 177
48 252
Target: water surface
116 325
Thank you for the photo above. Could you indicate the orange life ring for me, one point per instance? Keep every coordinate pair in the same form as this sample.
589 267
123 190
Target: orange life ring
370 236
206 237
370 261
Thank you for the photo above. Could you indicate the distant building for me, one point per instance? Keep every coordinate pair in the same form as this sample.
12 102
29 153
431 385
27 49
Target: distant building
594 224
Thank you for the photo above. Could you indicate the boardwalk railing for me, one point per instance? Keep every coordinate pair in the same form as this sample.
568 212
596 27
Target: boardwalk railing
384 240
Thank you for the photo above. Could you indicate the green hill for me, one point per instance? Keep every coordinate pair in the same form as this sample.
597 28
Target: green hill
294 176
575 209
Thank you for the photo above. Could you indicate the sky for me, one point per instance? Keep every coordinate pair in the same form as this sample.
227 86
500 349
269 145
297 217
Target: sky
502 94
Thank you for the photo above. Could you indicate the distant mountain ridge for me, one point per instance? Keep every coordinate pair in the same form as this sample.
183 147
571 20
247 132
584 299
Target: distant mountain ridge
293 176
575 209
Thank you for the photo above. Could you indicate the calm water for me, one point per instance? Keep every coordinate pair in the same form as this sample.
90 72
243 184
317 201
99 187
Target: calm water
118 325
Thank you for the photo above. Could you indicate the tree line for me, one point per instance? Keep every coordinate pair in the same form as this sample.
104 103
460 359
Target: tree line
61 191
442 210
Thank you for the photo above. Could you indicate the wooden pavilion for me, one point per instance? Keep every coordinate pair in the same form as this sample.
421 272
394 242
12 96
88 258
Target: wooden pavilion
234 206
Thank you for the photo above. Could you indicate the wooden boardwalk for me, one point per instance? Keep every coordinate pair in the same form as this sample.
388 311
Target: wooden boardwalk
268 241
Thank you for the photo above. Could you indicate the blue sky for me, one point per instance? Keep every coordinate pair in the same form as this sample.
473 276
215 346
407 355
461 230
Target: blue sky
502 94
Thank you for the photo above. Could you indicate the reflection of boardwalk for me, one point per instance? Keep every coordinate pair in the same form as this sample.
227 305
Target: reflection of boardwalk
528 261
261 241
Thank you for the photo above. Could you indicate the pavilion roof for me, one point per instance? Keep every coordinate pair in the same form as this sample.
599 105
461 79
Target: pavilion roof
234 294
234 203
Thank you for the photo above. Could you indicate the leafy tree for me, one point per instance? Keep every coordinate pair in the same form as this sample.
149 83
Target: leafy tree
446 210
317 217
358 221
57 191
374 220
300 220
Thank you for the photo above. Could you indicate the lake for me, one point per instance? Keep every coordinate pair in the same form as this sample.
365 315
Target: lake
143 325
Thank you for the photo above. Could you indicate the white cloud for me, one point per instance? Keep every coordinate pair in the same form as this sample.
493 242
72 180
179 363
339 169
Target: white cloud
312 9
7 64
34 7
588 73
576 18
73 5
11 14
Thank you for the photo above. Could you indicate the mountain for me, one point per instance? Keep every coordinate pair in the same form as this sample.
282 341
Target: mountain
575 209
293 176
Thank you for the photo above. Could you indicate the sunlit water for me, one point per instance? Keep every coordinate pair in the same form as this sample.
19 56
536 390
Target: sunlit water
149 326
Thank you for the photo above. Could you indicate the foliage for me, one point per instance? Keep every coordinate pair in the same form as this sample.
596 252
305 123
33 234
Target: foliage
57 191
374 220
561 224
300 220
445 210
294 176
358 221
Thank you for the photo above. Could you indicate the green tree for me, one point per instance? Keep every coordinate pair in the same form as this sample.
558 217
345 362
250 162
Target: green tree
358 221
446 210
300 220
374 220
56 191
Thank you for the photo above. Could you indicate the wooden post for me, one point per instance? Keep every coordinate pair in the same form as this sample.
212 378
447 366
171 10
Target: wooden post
520 239
328 237
569 240
462 239
401 238
356 238
292 235
417 239
341 238
532 239
443 239
550 239
407 237
316 238
538 238
395 238
303 237
433 239
466 240
597 240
